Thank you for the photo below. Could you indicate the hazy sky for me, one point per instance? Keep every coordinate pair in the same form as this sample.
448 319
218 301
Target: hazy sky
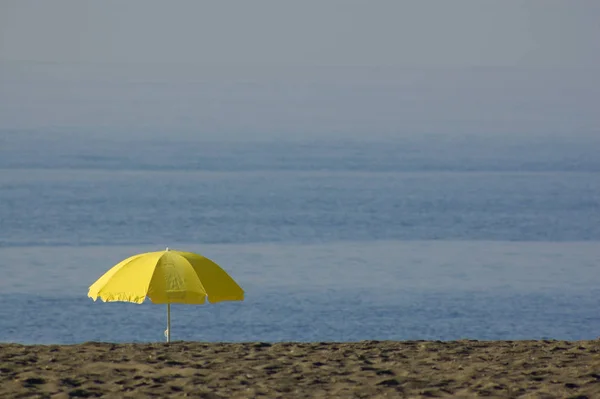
304 66
342 32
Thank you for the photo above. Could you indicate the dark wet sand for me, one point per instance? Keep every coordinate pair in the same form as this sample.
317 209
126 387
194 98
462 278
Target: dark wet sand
535 369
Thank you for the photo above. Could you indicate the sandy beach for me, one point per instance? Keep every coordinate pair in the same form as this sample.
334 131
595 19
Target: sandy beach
369 369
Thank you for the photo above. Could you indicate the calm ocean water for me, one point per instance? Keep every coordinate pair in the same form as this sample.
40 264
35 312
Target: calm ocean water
430 238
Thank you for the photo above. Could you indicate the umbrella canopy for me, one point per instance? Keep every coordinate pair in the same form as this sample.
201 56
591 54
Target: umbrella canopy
166 277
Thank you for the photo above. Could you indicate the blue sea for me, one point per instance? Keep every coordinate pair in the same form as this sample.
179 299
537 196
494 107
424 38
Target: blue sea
431 237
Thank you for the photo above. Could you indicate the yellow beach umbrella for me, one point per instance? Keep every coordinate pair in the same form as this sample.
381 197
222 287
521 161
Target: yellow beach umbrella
166 277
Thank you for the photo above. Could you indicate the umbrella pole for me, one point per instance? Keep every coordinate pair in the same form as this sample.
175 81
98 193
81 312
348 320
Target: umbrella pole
168 317
168 322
